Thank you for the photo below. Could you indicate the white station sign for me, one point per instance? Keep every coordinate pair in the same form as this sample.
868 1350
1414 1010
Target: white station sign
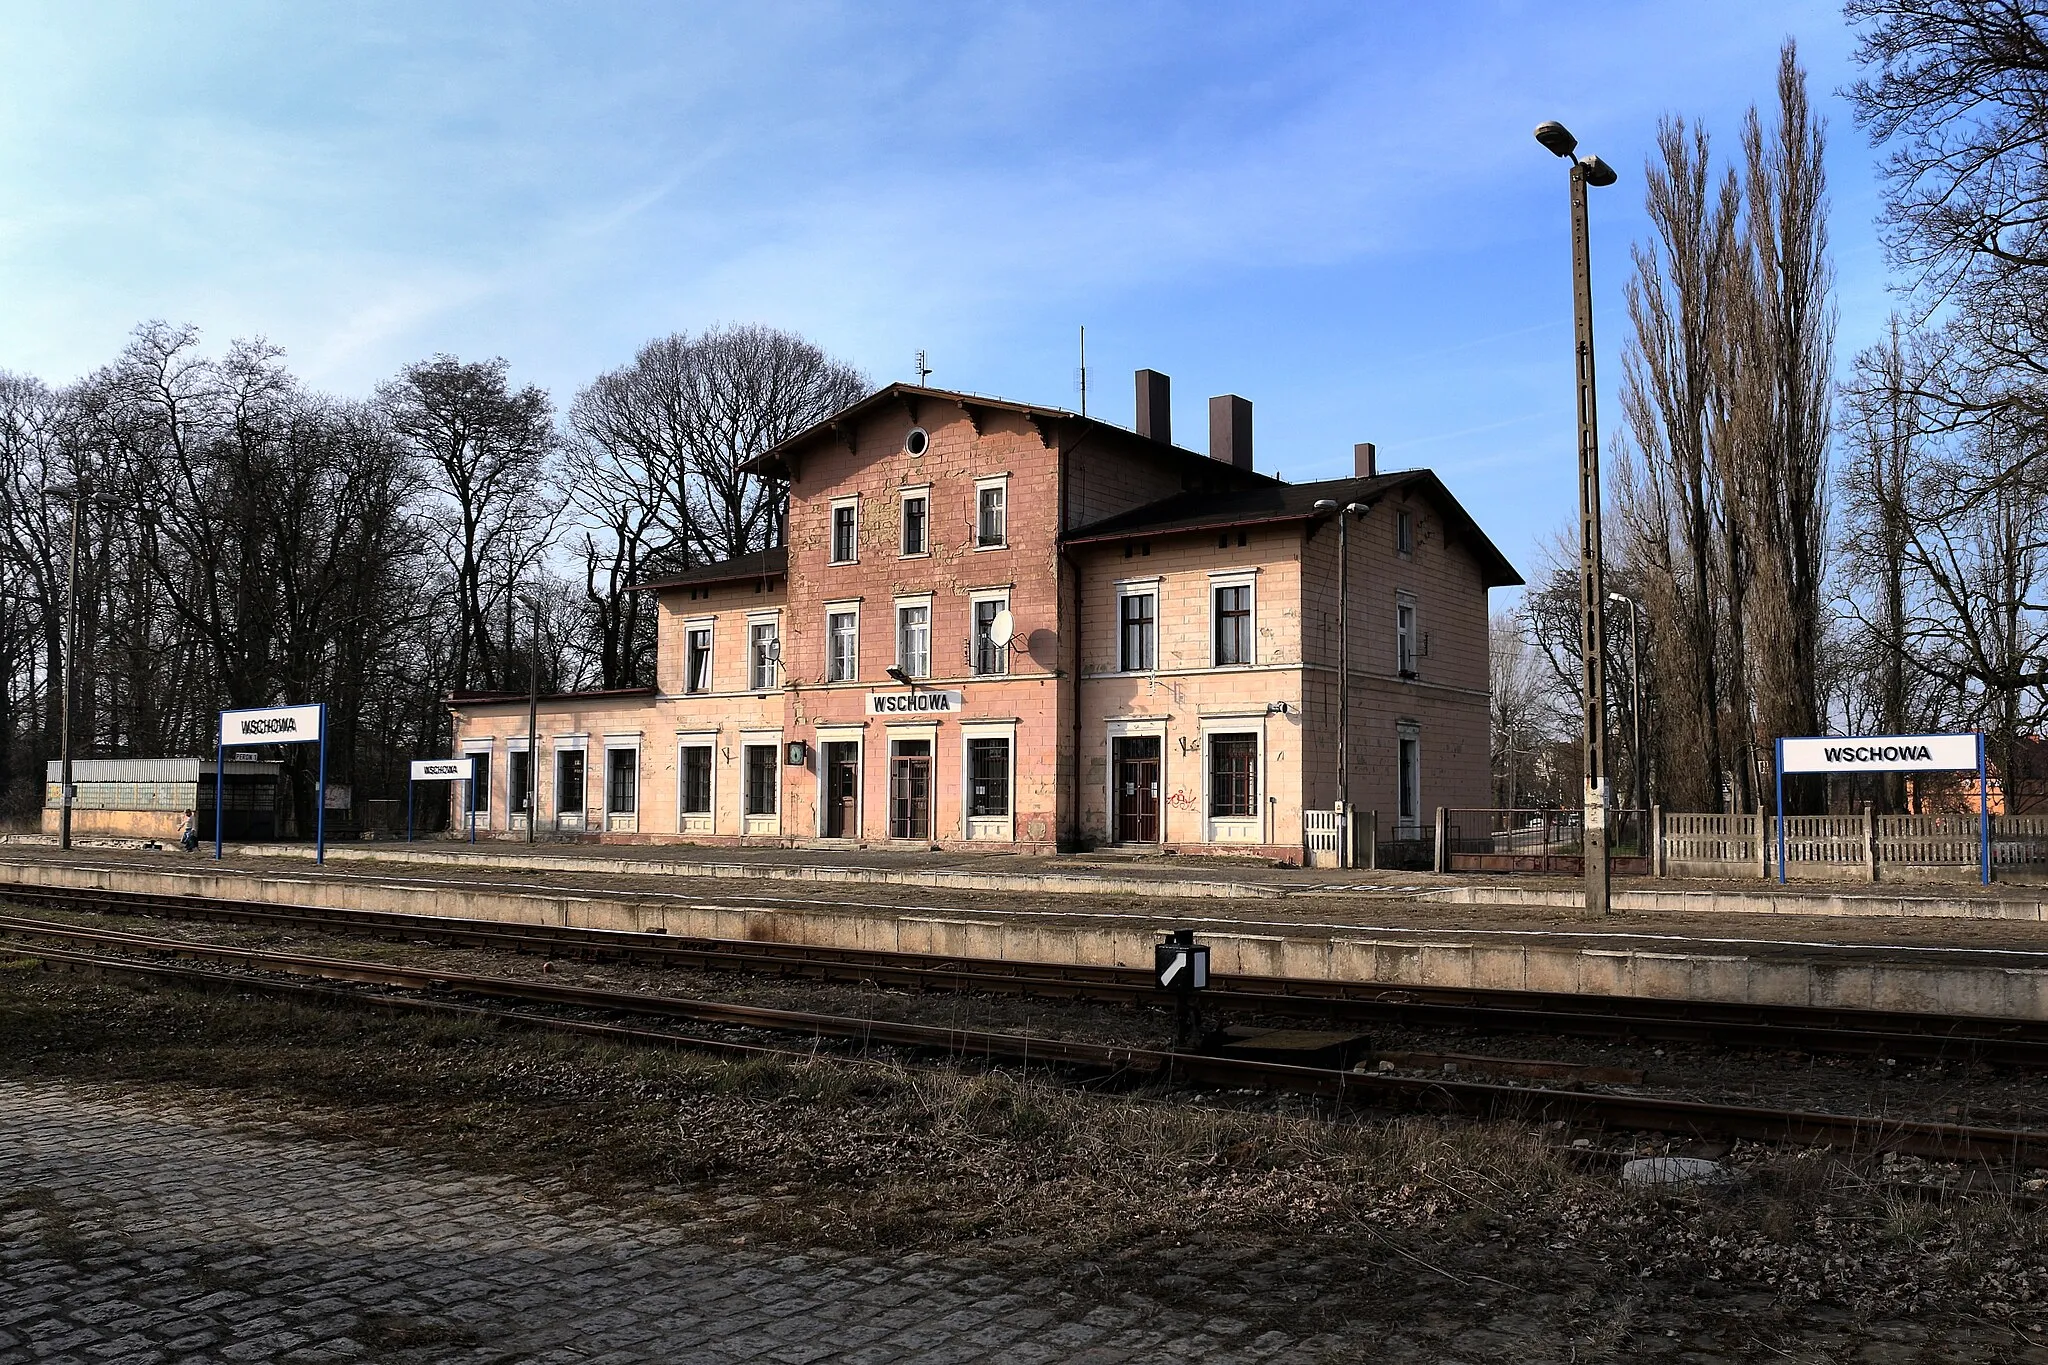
271 725
443 769
1881 754
923 701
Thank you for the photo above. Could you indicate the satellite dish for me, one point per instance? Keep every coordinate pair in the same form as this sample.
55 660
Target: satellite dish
1003 629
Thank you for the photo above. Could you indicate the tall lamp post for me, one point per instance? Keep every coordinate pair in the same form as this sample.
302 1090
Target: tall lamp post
1640 779
1588 170
1345 514
533 729
78 492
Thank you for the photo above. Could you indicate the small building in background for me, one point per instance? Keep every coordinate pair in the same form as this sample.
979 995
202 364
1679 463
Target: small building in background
146 798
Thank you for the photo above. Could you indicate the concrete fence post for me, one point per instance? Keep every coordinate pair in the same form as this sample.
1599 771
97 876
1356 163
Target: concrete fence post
1869 842
1763 843
1659 865
1372 840
1443 852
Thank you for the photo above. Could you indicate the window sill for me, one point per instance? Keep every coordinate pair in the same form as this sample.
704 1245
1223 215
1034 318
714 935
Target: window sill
1003 545
840 563
921 554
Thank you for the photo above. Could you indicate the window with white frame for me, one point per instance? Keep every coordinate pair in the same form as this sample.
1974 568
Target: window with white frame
1404 636
914 638
842 644
1233 776
846 531
696 779
764 652
480 780
763 777
1408 777
917 518
697 658
621 781
1230 614
1137 612
991 514
988 777
990 658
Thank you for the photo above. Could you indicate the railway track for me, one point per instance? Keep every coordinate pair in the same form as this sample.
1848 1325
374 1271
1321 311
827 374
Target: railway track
427 988
2007 1042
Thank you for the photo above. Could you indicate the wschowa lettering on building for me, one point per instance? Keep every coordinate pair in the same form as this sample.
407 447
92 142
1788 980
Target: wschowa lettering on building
1168 679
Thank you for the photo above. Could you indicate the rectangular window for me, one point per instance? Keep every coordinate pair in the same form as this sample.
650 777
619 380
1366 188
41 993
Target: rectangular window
764 766
916 519
519 782
842 646
988 777
1232 610
621 781
914 640
845 533
990 658
697 659
1233 776
1404 638
480 785
569 782
1138 632
1410 778
764 651
697 779
991 517
1404 532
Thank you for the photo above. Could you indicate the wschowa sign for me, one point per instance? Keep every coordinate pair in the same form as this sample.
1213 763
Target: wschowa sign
1887 754
273 725
923 702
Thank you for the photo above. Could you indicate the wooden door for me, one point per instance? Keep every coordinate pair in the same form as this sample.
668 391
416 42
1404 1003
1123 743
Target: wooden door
842 790
1136 786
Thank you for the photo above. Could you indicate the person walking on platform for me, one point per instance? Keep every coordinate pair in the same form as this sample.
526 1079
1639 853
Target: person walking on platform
188 837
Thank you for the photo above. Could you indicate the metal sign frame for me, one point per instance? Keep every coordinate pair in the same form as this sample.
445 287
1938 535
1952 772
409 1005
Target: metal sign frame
1983 792
220 776
468 787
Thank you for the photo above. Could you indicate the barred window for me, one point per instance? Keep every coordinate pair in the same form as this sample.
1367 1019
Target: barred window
622 781
988 775
697 779
763 777
1233 776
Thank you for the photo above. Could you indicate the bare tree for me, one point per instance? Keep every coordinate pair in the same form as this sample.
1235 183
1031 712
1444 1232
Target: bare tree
486 447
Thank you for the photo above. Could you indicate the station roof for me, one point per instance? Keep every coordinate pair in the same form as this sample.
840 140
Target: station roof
594 694
775 461
773 563
1294 502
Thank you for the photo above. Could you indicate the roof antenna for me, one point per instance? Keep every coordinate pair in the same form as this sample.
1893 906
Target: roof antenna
1081 375
924 371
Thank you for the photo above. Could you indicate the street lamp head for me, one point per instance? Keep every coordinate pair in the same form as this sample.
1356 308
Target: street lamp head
1598 173
1618 597
1556 138
1359 509
1325 505
896 671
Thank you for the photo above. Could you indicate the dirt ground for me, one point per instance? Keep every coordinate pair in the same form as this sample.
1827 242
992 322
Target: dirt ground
1427 1240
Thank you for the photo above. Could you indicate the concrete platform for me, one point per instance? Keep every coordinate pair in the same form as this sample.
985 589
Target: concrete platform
1997 969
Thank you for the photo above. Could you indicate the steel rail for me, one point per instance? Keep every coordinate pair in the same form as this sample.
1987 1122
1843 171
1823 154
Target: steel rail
1808 1029
1341 1088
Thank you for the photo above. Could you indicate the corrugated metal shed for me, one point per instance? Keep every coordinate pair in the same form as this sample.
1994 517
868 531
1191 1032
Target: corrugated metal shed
157 769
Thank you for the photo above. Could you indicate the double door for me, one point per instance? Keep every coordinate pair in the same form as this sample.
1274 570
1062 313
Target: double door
910 789
1134 786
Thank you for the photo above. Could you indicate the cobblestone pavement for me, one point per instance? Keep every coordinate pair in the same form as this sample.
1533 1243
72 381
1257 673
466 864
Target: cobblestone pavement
131 1231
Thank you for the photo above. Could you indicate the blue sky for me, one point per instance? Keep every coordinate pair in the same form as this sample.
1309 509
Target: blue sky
1335 210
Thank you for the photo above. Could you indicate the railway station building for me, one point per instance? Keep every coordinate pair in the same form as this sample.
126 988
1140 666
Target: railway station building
998 624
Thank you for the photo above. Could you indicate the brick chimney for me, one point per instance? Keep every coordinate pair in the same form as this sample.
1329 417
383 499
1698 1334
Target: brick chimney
1366 457
1230 430
1155 407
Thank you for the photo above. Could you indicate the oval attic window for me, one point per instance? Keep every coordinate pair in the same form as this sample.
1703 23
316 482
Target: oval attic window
918 441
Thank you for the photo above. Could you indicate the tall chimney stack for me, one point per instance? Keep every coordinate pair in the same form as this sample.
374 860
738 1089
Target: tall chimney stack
1230 430
1155 407
1366 455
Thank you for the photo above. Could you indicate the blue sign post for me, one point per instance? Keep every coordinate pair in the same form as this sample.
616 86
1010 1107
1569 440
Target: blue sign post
1889 754
461 770
271 725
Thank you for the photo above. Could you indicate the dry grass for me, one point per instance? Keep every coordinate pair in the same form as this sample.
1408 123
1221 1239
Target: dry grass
1262 1212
